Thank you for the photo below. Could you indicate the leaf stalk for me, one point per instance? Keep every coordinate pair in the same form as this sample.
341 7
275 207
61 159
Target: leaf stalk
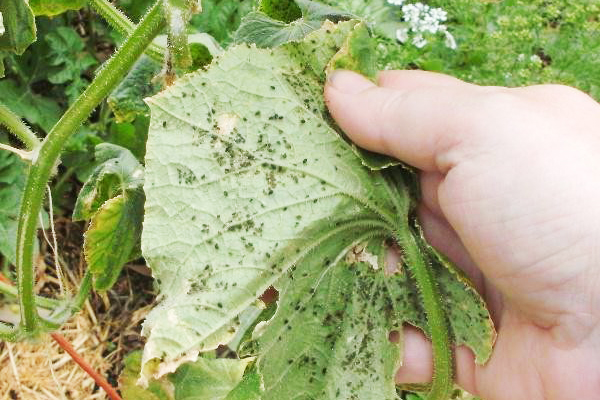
437 321
18 128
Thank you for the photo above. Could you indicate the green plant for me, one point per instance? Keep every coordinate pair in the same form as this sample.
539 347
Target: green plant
248 184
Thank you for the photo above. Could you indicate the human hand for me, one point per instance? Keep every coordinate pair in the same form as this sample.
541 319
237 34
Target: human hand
511 193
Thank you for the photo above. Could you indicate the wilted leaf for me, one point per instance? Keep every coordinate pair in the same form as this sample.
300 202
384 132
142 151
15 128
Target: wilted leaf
19 26
112 237
54 7
114 201
248 185
118 171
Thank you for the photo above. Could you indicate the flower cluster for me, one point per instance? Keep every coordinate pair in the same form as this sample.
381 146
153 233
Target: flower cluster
422 19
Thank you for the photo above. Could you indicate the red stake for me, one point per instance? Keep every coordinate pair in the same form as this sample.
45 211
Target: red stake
66 346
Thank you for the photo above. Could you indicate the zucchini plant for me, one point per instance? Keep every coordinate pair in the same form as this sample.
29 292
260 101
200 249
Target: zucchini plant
247 184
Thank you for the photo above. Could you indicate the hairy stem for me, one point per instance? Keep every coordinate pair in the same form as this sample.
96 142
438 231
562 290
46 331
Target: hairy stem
437 321
40 172
44 302
18 128
122 24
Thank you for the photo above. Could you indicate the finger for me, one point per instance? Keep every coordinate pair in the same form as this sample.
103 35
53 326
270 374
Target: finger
417 364
430 183
414 79
423 124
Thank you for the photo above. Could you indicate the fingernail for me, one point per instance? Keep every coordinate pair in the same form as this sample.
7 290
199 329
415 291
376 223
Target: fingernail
348 82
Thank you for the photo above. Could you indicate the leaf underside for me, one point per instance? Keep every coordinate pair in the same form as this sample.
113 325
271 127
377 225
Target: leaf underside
248 184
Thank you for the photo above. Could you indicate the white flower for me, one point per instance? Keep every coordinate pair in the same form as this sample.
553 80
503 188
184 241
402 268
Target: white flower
395 2
535 59
449 40
421 19
419 41
402 34
521 57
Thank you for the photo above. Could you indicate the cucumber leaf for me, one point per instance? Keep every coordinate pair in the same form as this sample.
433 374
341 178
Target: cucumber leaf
264 29
249 185
113 199
19 26
54 7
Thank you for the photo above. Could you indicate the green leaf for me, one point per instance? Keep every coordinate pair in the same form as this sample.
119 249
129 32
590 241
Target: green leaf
36 109
248 185
208 379
156 390
127 100
220 18
68 60
19 26
112 237
114 201
118 172
281 10
248 389
266 31
55 7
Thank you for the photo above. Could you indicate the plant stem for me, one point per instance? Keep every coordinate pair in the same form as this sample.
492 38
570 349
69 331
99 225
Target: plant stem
18 128
44 302
122 24
8 333
437 321
40 172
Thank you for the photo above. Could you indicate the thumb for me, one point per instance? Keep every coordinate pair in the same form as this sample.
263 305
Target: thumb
418 117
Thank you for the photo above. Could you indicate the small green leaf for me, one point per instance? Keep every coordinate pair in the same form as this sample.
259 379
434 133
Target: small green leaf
19 26
68 60
112 236
281 10
208 379
54 7
220 18
266 31
249 388
127 100
118 171
156 390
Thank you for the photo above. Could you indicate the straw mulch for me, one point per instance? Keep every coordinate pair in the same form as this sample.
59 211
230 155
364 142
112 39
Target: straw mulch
43 371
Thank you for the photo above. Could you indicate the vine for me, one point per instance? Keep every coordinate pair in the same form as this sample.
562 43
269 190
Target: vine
42 168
